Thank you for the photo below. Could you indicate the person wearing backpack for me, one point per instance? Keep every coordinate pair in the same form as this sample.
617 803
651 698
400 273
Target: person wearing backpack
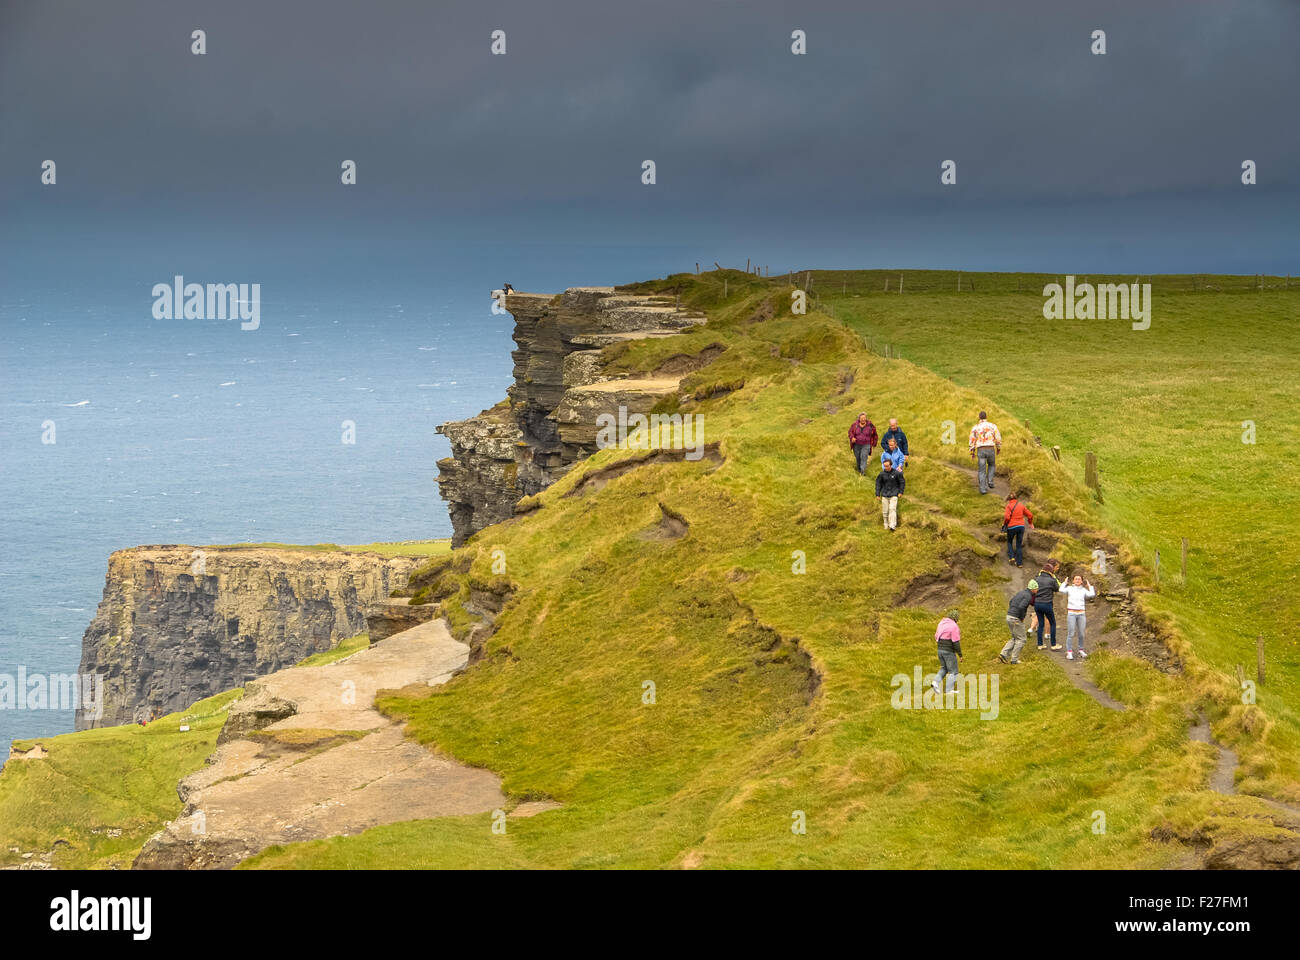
1014 519
1021 606
1044 598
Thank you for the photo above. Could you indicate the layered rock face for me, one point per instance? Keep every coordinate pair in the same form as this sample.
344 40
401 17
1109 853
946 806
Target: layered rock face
526 443
179 623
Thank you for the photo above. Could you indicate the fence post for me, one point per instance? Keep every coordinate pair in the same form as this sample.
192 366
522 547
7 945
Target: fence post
1183 567
1259 658
1157 567
900 283
1090 469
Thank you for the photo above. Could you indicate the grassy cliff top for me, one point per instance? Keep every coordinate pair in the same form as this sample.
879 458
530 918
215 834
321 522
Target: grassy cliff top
698 655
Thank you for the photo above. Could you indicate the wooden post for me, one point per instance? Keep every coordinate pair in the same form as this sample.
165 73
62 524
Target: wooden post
1056 454
886 284
900 283
807 280
1259 658
1183 566
959 281
697 266
1090 469
717 265
1157 568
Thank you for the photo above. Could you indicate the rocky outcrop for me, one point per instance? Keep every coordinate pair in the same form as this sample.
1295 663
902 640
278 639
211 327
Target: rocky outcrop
390 617
179 623
548 423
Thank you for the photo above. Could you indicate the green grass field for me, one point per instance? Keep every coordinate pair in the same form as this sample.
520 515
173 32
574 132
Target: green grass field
100 794
1166 411
399 548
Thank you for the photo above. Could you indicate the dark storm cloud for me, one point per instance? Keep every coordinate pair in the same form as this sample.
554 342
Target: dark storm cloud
588 90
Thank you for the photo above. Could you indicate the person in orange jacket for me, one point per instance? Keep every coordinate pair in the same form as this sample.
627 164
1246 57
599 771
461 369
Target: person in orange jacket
1014 519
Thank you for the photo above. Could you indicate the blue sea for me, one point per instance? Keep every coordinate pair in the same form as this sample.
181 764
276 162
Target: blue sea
196 431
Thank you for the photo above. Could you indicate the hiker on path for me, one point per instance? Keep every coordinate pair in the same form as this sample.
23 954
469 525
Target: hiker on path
1076 594
894 433
1043 598
889 487
1014 519
862 440
1021 605
948 637
985 445
891 453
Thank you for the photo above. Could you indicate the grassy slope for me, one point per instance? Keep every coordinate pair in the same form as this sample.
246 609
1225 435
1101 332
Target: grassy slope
1163 409
121 779
713 771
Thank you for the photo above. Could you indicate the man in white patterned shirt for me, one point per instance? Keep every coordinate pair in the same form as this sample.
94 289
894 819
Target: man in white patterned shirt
985 444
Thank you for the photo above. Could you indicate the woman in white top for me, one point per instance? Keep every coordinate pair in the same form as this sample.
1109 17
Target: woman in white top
1076 592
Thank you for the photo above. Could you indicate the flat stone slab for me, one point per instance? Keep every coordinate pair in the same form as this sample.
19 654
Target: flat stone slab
335 766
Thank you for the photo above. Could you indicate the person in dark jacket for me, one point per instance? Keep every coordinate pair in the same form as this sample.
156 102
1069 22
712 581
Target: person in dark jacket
1021 605
889 487
1043 599
862 440
948 638
1014 519
894 433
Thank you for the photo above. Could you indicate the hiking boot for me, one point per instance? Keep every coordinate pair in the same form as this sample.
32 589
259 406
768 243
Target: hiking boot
1041 647
1003 658
1056 646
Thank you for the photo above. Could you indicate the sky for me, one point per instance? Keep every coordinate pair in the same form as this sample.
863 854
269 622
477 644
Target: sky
1066 161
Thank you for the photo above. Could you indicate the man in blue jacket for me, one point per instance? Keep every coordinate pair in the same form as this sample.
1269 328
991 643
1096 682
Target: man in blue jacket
894 433
893 454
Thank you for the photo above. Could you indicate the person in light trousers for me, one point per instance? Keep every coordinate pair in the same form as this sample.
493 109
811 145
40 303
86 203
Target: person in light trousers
1077 592
889 487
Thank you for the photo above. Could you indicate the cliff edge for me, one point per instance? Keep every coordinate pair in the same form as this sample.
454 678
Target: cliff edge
179 623
548 423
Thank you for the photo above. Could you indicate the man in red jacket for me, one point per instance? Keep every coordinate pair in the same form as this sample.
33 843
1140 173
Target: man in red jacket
862 440
1014 519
